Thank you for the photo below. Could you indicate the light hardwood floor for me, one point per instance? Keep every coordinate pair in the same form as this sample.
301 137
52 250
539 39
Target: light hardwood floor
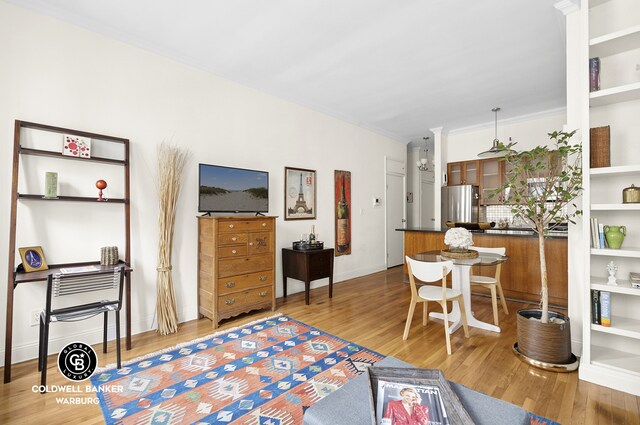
370 311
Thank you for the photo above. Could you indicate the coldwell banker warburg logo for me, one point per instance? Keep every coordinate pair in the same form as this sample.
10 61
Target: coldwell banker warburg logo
77 361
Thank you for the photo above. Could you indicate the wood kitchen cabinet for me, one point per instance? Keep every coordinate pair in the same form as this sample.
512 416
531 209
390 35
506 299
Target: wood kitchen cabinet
464 172
494 172
236 265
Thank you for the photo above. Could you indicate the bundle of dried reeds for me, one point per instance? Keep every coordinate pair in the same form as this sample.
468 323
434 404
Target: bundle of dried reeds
171 162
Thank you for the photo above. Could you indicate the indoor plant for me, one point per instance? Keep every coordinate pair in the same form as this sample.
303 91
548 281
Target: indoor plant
543 183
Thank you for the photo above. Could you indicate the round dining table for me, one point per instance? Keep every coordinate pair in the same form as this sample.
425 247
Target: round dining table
461 281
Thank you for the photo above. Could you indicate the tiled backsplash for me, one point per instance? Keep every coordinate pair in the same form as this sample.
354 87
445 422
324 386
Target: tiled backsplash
500 212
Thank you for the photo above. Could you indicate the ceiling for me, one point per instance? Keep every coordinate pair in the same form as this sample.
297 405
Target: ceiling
396 67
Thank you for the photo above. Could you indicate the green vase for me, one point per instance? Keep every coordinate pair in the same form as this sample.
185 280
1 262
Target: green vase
614 235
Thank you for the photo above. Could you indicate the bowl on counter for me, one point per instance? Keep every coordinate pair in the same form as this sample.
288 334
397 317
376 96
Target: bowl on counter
471 226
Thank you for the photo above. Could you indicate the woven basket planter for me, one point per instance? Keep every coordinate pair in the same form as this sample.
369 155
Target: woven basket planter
545 342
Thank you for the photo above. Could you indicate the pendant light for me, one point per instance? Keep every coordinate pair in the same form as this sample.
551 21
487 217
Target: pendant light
422 163
495 151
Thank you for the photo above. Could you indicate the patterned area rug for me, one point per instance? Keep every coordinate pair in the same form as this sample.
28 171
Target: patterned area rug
267 372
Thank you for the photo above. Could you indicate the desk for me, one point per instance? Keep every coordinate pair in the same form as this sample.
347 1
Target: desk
460 281
41 276
307 266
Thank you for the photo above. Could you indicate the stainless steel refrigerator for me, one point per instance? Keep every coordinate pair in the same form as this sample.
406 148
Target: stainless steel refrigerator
460 203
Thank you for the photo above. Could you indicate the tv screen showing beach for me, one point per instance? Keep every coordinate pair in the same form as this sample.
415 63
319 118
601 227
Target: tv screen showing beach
227 189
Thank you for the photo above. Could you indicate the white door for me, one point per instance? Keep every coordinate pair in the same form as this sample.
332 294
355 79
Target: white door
395 219
427 207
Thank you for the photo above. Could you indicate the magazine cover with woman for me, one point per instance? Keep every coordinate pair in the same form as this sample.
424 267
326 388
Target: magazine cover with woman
408 404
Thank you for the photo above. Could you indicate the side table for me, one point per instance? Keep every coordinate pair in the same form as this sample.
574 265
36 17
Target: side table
307 266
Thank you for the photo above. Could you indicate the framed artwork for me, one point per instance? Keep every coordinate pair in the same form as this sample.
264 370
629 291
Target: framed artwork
77 146
342 198
300 194
430 394
33 259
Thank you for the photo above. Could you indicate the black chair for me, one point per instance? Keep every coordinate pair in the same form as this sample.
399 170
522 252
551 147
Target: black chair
64 284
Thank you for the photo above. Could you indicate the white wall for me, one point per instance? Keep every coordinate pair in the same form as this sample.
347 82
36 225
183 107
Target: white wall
528 131
58 74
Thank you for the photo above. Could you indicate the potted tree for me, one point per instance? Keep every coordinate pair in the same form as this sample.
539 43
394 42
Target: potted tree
542 184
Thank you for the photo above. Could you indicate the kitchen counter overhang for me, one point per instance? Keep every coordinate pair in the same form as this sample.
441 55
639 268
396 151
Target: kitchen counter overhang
511 231
520 274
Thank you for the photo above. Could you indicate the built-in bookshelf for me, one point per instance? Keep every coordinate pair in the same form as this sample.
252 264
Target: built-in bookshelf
611 32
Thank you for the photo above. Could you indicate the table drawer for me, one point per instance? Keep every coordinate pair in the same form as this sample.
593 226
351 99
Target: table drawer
240 300
232 238
232 251
230 226
247 281
245 265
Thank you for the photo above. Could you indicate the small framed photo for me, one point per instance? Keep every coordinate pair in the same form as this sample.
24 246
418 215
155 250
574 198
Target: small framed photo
77 146
300 194
33 259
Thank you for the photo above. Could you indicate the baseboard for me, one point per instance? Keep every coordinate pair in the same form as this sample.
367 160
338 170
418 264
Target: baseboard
29 351
610 378
294 286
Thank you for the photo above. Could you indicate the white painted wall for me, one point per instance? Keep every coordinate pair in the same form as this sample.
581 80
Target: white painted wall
528 131
58 74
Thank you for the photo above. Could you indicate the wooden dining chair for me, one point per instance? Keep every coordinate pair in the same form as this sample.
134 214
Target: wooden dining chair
433 272
491 283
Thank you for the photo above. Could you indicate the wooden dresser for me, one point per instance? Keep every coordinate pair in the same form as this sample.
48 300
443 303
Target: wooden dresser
236 265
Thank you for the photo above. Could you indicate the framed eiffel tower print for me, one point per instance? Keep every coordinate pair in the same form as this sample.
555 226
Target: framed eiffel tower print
300 194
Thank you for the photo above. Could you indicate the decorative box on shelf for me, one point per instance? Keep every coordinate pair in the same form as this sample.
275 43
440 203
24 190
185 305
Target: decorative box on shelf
306 245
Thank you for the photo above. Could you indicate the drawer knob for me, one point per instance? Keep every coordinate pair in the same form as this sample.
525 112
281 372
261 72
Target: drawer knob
233 251
264 224
262 278
231 226
263 293
250 243
234 238
230 284
230 301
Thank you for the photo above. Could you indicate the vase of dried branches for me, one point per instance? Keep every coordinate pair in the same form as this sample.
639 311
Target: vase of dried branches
171 162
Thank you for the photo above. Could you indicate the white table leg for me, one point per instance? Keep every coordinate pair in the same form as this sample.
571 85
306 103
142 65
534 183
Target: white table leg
460 281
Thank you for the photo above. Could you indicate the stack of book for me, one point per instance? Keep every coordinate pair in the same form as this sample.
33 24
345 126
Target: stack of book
601 308
635 279
597 234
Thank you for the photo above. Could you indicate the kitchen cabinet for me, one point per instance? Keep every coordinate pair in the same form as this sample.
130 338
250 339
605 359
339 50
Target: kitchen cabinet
494 172
464 172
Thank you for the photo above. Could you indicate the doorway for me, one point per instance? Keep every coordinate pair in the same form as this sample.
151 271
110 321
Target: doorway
395 212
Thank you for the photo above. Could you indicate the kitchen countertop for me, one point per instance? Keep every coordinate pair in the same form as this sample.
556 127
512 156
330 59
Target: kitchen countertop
509 231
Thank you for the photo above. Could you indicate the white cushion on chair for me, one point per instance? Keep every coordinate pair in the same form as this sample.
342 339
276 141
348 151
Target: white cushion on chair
432 293
483 279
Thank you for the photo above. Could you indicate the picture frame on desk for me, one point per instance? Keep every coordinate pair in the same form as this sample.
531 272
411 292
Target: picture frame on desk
300 194
33 259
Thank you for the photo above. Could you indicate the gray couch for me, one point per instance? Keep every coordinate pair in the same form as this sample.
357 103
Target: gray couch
350 405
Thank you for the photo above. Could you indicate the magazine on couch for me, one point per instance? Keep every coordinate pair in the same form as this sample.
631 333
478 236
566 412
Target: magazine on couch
401 403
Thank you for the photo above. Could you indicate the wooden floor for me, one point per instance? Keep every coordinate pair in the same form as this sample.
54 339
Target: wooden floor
370 311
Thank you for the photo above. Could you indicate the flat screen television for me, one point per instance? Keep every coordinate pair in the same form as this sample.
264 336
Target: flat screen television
232 190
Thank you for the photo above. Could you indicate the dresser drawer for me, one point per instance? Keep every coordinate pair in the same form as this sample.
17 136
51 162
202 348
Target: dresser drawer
232 251
232 238
230 226
246 281
245 265
240 300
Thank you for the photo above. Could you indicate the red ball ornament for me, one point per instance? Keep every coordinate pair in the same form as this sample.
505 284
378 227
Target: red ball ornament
101 184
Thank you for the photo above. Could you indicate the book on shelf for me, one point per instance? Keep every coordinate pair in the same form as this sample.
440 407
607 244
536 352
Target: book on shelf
601 240
594 74
605 308
595 307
